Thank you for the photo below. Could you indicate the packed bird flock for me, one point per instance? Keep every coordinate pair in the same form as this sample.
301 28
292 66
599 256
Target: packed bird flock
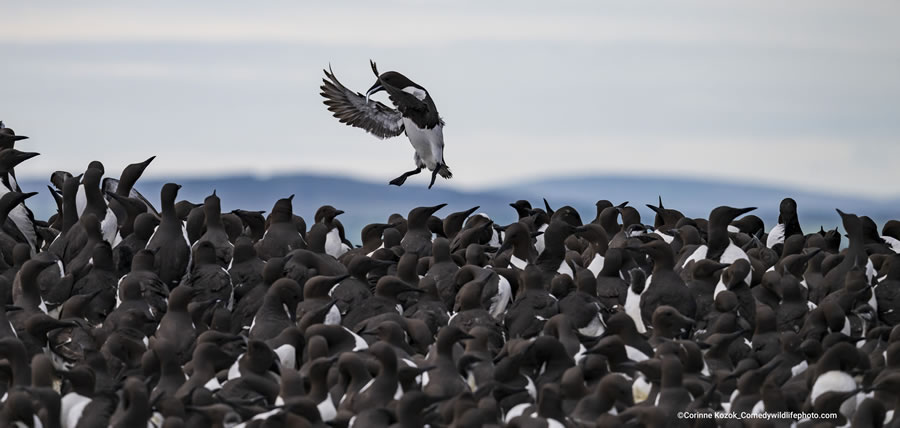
118 315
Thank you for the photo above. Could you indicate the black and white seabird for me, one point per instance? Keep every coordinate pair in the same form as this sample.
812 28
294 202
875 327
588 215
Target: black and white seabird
169 241
21 216
415 115
8 137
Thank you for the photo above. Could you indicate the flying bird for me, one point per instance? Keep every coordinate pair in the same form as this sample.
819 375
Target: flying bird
414 115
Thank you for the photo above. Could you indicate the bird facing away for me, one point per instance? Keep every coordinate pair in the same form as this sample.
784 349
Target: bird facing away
414 115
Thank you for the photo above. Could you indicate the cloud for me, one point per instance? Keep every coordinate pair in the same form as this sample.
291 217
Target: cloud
235 72
407 24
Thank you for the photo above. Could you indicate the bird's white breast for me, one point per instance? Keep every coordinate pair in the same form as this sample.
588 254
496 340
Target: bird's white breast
893 243
73 405
539 241
834 380
776 236
665 237
596 264
333 243
333 317
633 309
565 269
501 300
517 262
428 143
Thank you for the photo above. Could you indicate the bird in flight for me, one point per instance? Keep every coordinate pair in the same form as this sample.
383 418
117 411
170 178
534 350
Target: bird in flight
414 115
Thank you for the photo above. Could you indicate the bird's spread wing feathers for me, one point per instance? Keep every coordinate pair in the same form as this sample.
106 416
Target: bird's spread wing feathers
111 184
351 108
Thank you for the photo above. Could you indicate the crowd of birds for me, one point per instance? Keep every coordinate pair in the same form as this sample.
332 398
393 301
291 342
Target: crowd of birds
116 314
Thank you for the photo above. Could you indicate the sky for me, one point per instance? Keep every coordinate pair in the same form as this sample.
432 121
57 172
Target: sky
799 94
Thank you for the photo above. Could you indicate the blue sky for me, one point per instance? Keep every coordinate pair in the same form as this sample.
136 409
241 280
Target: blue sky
801 94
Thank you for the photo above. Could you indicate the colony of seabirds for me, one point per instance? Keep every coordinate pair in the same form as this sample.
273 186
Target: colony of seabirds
119 314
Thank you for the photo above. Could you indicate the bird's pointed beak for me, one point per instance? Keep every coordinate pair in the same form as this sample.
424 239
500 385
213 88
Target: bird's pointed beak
742 211
436 208
24 156
374 89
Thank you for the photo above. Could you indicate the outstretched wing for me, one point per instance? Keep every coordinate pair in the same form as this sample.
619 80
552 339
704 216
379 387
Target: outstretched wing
351 108
110 184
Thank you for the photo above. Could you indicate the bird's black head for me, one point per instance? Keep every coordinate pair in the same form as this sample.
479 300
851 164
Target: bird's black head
327 213
395 80
169 192
10 158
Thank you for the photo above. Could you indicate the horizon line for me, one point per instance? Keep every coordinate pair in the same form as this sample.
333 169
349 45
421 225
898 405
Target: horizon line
499 186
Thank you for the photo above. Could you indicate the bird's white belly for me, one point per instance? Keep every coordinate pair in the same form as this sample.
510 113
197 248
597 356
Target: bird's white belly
633 309
19 216
428 143
80 200
776 236
287 356
732 254
109 226
635 354
834 380
595 327
501 300
73 405
333 243
539 241
665 237
720 287
893 243
596 264
565 269
517 262
333 317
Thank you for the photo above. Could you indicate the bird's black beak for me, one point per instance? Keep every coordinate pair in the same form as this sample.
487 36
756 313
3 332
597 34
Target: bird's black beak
24 156
434 209
374 89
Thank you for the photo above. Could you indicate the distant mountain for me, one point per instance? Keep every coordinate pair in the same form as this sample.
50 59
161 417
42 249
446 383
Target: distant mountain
366 202
695 198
